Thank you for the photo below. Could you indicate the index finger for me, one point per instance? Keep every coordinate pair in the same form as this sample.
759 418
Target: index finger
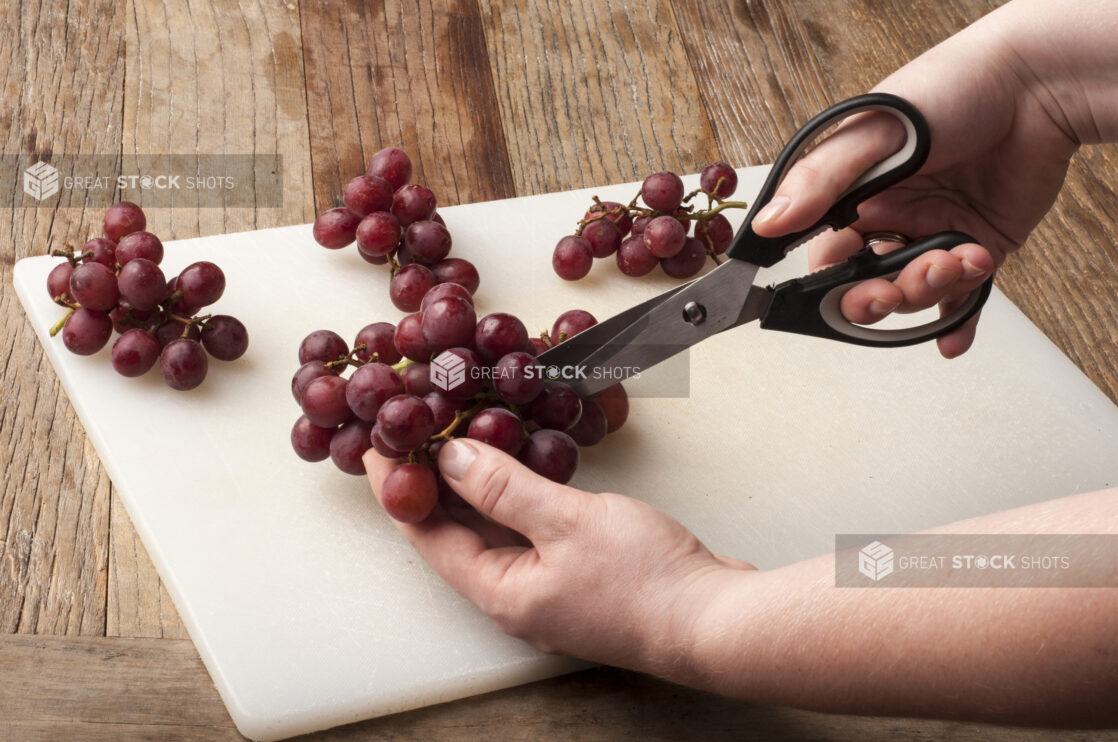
817 180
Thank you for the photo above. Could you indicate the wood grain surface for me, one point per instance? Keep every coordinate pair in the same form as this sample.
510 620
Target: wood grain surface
493 99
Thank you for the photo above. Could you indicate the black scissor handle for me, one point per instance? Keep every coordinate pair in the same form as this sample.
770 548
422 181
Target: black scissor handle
764 251
810 305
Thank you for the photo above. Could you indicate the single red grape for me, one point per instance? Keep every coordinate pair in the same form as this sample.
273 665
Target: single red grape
428 241
100 250
311 442
224 337
413 203
378 339
307 373
405 422
183 364
324 401
442 291
499 428
664 236
139 245
640 223
591 426
615 404
409 338
448 323
715 234
322 345
94 287
634 259
459 271
392 164
58 280
571 323
719 180
443 410
662 191
538 346
142 284
615 212
86 331
408 286
572 258
336 228
551 453
499 334
135 352
417 379
603 236
377 234
518 377
383 448
688 262
369 387
557 407
367 193
410 493
201 283
122 219
349 444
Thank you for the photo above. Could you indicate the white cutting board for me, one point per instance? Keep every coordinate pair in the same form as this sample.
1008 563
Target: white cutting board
310 611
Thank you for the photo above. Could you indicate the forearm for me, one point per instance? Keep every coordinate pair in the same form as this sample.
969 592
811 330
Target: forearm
1027 655
1066 54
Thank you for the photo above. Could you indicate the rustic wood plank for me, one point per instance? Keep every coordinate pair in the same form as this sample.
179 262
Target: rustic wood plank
138 603
411 75
61 78
763 67
221 78
158 688
593 92
218 78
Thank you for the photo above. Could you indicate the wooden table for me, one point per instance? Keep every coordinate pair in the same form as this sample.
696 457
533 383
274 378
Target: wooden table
494 99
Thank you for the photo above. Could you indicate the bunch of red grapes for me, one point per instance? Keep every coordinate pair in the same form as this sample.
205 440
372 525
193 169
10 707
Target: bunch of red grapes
487 385
115 283
658 233
394 223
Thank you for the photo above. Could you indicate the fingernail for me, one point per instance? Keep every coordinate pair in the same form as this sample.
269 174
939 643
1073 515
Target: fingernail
939 278
880 307
970 270
455 459
772 209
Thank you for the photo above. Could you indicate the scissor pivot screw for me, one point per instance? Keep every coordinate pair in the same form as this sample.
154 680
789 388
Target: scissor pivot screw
694 313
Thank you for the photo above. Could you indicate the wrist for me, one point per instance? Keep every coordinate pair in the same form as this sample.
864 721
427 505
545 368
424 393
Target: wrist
1066 57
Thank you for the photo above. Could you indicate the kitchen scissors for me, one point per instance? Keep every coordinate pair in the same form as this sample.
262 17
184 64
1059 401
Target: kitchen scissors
726 297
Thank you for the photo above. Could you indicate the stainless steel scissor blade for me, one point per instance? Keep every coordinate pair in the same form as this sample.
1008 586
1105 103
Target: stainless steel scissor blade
661 327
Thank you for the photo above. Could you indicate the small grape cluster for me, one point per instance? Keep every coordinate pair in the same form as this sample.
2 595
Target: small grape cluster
501 396
115 283
657 233
394 222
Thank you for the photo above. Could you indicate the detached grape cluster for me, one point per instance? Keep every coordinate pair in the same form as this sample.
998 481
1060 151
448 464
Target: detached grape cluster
394 223
115 283
495 391
657 233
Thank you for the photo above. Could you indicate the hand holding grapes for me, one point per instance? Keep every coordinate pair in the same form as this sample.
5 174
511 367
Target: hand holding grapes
596 576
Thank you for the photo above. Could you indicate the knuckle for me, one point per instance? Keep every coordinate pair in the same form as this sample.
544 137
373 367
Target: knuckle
491 488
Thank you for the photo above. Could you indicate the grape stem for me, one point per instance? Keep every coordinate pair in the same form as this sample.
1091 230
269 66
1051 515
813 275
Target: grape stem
57 326
459 417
